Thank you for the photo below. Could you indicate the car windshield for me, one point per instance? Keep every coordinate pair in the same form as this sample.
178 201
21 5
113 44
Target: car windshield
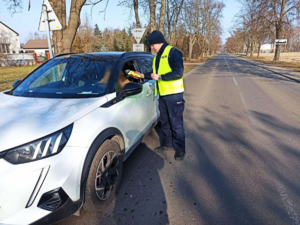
68 77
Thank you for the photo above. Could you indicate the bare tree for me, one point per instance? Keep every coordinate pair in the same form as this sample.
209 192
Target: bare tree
281 12
191 15
134 6
64 38
173 10
211 13
136 13
202 21
162 15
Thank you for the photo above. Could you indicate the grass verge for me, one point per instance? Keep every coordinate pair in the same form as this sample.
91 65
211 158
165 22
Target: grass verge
288 61
8 75
189 67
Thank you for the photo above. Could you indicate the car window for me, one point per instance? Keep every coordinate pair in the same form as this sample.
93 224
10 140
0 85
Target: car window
72 77
122 78
145 64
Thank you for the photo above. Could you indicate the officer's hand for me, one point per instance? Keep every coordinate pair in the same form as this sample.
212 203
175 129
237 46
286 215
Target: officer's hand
154 76
141 75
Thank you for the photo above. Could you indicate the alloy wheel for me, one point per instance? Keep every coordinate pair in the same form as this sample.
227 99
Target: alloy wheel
107 175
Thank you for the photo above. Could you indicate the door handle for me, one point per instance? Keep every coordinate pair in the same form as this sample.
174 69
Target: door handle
148 93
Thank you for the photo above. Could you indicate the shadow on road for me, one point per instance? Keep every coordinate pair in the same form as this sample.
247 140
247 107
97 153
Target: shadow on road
240 177
140 199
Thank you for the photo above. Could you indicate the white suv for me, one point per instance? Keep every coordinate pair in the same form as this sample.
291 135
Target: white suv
65 131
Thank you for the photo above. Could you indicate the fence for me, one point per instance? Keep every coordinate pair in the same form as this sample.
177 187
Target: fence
20 59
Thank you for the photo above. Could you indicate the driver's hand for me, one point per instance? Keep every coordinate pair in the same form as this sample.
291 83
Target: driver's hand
141 74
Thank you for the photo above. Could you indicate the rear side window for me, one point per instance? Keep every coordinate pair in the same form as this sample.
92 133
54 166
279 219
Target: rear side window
145 64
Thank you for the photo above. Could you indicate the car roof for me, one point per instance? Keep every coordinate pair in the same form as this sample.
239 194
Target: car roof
112 55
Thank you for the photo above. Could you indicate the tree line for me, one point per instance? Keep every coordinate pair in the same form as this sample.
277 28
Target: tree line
263 21
193 26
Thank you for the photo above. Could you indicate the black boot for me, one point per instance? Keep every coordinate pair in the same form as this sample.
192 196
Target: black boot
179 155
163 149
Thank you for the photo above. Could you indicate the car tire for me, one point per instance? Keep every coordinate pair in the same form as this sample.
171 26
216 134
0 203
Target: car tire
104 177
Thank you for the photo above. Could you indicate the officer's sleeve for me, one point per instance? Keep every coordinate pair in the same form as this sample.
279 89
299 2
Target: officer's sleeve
148 75
176 63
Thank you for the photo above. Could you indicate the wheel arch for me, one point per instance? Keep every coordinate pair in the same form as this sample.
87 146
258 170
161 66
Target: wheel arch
108 134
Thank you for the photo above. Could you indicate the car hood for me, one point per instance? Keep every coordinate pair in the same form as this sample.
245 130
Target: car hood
23 120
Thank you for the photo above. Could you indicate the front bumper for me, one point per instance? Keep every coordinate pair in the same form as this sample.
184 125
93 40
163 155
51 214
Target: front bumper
21 186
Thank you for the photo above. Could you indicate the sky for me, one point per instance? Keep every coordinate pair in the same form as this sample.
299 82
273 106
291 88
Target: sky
115 17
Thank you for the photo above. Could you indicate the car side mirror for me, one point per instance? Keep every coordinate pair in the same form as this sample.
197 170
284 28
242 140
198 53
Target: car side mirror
131 89
128 90
16 83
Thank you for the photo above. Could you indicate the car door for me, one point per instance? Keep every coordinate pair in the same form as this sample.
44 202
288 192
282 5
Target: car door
133 112
145 65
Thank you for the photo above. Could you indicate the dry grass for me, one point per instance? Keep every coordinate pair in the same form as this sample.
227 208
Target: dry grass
289 57
204 59
8 75
189 67
288 60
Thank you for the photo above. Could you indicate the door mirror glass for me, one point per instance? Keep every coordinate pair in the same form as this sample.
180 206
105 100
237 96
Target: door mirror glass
16 83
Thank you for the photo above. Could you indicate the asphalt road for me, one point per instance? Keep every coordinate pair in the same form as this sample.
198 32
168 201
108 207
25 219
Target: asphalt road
243 155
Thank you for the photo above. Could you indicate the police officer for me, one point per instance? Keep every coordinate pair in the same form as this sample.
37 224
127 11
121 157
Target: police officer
168 75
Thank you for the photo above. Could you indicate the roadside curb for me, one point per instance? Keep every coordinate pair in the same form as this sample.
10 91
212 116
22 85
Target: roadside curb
269 69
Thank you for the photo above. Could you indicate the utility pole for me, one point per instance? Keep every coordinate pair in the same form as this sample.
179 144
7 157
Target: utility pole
47 29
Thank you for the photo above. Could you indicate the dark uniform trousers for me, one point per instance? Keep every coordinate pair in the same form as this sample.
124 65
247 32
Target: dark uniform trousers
171 109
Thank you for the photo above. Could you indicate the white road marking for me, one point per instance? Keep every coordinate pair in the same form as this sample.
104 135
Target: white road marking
288 204
247 111
234 81
287 201
226 63
236 84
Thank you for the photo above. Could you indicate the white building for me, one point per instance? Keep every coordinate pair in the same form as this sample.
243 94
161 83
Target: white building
9 40
40 47
267 48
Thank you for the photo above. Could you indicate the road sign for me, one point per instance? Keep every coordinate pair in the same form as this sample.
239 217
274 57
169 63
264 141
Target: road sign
280 41
138 47
138 33
54 23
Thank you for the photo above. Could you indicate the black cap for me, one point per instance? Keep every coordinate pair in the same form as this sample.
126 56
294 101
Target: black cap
156 37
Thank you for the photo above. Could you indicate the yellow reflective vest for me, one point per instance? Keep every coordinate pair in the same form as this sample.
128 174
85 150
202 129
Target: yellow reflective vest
166 87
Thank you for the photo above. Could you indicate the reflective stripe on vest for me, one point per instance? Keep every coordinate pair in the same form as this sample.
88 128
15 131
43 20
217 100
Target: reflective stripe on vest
166 87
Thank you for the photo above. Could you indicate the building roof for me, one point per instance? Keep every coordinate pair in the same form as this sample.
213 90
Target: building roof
36 44
9 28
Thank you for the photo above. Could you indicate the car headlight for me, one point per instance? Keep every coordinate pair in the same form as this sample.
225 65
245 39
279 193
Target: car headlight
39 149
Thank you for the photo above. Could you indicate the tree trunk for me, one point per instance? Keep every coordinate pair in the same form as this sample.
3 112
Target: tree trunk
176 21
152 7
258 54
191 44
136 13
251 50
73 24
277 49
59 7
63 39
247 51
279 25
162 15
277 54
